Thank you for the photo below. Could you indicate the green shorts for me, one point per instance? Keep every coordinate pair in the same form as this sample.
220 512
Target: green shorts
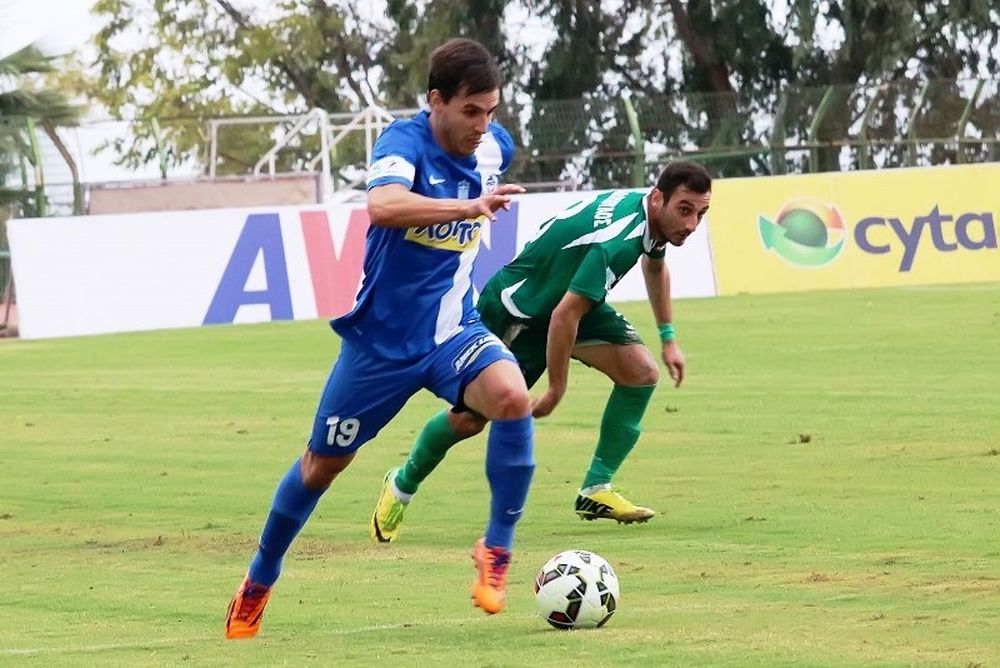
527 339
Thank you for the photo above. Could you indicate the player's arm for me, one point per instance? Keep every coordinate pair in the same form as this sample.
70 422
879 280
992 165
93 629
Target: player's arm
657 277
395 205
563 326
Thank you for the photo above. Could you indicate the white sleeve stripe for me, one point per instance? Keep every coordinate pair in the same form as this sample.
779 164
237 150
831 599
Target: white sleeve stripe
605 233
391 165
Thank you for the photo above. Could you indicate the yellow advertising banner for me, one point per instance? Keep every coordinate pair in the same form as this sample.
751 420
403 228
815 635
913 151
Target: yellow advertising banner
856 229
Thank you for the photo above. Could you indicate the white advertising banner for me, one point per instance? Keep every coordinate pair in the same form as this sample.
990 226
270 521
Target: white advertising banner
131 272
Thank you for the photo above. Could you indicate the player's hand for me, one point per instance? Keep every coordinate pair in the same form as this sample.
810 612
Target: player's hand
488 204
545 404
674 359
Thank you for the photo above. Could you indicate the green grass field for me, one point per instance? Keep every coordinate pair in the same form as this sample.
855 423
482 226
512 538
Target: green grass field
828 480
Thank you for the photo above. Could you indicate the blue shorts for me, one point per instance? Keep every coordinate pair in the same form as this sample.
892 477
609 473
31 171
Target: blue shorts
365 391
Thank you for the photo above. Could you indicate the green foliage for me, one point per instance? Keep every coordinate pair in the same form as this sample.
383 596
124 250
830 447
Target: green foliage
25 99
748 56
205 59
715 68
570 95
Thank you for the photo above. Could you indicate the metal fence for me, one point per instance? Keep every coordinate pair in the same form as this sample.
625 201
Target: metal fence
587 142
797 130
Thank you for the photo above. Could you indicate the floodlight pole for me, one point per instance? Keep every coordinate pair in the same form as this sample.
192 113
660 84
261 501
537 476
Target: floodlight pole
911 135
639 155
864 157
964 120
161 154
213 151
777 139
326 176
817 121
36 154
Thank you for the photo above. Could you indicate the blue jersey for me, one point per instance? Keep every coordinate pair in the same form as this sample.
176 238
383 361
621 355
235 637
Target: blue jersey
417 287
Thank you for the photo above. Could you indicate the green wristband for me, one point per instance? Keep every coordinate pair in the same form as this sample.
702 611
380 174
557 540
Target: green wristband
667 332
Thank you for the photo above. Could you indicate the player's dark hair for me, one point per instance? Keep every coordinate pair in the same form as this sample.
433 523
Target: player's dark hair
461 64
683 173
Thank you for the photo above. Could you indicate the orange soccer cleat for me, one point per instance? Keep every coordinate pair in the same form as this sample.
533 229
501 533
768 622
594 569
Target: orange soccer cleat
489 589
246 609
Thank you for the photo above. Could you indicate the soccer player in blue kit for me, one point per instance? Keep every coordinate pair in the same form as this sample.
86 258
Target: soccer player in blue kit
432 185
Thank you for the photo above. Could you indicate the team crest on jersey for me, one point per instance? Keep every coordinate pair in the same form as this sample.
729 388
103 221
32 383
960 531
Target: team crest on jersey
458 235
491 183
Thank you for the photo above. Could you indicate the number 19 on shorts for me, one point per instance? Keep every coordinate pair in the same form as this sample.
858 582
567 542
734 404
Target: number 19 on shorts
341 432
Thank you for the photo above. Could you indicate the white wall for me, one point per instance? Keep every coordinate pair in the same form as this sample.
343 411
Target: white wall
118 273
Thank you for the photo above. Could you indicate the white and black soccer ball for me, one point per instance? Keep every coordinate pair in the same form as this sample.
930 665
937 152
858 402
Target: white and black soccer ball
577 589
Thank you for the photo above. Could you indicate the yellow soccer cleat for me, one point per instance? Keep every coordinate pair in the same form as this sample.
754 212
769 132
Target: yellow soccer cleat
246 609
609 504
489 591
388 513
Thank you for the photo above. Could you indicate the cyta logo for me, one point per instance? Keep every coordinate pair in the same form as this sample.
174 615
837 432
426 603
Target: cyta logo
807 233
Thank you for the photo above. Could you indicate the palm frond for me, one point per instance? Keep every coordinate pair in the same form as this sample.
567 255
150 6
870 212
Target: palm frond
44 105
29 60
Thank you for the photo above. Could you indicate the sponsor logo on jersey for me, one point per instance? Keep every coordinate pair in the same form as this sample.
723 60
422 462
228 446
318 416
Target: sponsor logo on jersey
606 209
458 235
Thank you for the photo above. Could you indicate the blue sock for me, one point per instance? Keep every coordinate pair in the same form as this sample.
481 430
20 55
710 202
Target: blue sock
292 505
510 461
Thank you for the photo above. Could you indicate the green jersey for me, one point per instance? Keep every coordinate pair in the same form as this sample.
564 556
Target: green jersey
586 250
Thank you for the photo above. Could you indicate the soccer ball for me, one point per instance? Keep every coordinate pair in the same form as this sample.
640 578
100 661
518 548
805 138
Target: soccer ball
576 589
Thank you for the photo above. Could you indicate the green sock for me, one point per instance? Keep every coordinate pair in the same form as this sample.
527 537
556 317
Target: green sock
431 446
619 431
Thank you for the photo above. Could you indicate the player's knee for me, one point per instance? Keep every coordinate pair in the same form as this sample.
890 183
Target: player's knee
640 375
510 403
466 424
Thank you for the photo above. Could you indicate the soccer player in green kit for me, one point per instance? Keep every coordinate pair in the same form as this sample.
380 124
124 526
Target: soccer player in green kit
548 305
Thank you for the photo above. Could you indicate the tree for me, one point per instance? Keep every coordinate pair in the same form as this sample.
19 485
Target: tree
736 47
203 59
577 124
24 102
702 74
416 30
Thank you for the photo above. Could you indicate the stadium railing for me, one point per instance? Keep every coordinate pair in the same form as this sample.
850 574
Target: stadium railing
587 142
